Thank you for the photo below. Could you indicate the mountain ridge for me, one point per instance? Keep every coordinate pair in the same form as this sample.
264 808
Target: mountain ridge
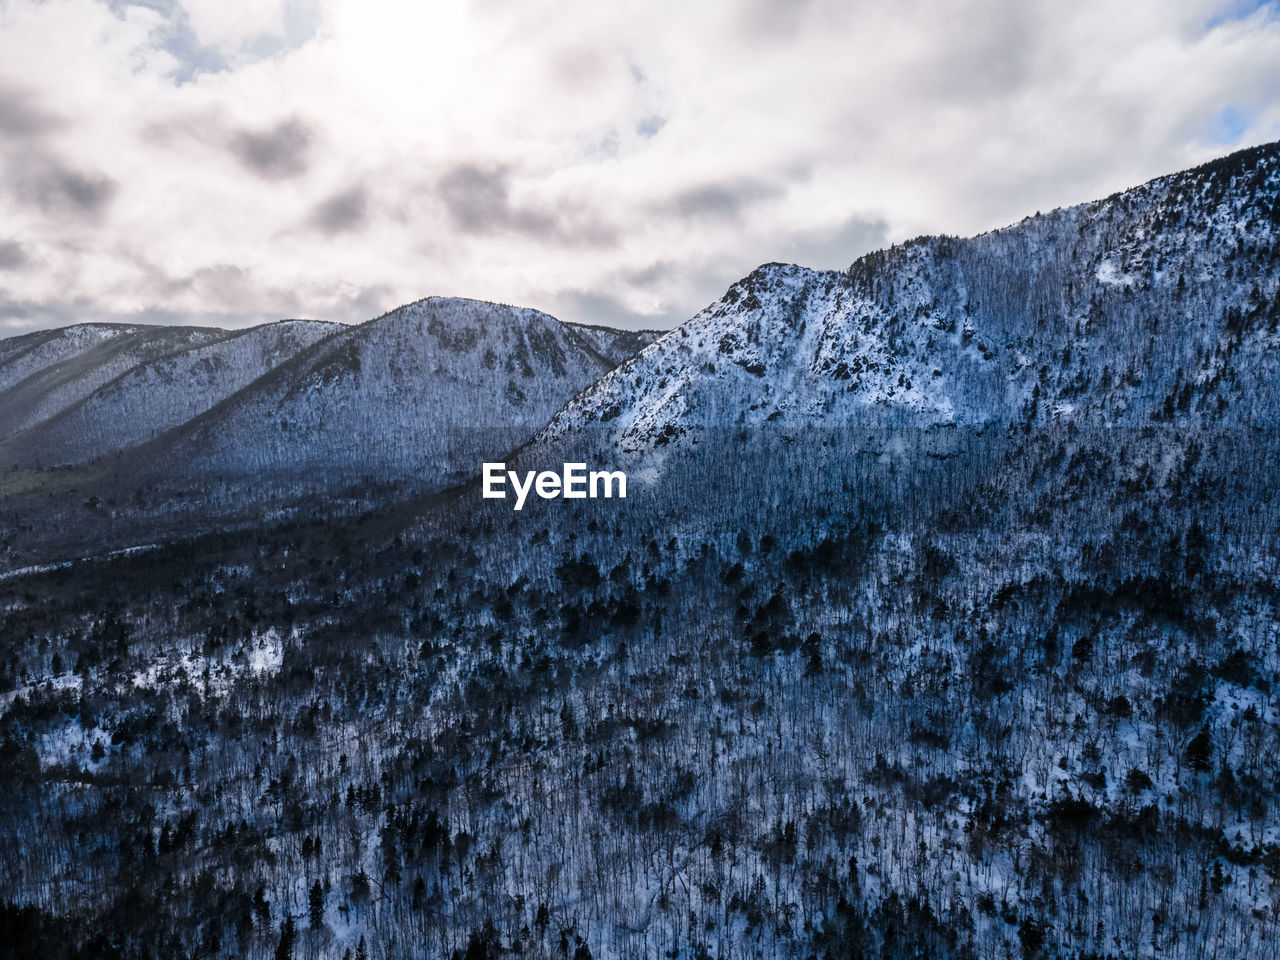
1157 304
156 395
384 382
948 330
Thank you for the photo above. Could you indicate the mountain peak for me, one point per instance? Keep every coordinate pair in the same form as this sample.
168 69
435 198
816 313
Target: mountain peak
1083 314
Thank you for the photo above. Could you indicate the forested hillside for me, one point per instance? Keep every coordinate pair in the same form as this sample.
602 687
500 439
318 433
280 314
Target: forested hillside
941 619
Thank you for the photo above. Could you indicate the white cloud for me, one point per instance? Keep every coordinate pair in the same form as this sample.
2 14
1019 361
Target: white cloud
625 161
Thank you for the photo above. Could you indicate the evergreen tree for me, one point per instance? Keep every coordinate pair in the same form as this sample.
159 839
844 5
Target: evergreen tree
315 906
261 906
284 951
1199 752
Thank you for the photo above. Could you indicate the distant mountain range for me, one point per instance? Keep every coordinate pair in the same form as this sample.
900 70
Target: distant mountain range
91 415
379 399
1156 303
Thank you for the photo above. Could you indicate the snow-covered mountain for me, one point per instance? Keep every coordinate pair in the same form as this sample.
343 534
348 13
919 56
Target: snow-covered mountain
1003 686
1157 302
612 344
23 356
43 373
420 392
157 395
379 394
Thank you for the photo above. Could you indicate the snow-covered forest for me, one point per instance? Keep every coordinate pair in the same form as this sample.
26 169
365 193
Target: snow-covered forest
942 619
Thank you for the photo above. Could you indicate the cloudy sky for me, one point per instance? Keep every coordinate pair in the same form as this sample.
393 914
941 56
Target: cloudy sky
234 161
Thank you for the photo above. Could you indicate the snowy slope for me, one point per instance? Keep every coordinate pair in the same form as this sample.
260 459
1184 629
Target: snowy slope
421 392
60 370
778 347
615 346
156 396
1157 302
23 356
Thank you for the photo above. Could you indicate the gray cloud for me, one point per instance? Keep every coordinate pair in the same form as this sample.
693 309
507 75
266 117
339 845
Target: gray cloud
86 192
21 116
773 20
12 256
366 303
656 273
227 285
721 201
18 316
344 211
477 201
57 189
835 249
595 307
989 54
277 153
671 290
